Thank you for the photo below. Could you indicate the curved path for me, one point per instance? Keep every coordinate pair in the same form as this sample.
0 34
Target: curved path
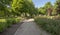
29 27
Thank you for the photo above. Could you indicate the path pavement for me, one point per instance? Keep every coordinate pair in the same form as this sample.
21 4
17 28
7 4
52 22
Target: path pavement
29 27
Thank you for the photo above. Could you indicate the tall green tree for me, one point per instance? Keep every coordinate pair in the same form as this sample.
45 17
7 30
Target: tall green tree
22 6
4 7
57 6
49 8
42 10
54 9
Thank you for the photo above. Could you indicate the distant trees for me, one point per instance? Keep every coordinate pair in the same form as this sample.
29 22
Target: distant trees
47 9
27 8
58 6
42 10
50 9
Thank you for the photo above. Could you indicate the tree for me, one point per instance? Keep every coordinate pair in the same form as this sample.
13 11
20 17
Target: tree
3 7
17 7
55 9
57 6
49 8
42 10
23 6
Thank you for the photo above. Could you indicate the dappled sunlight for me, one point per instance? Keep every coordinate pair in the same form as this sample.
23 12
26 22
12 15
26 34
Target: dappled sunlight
28 20
31 20
2 20
29 13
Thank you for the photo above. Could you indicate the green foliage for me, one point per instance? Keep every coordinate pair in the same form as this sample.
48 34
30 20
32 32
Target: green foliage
12 8
9 22
48 5
50 25
4 7
2 26
5 23
42 10
57 4
49 8
23 7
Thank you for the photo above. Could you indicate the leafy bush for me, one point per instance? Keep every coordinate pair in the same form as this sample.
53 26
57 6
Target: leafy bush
17 20
2 26
9 22
50 25
4 23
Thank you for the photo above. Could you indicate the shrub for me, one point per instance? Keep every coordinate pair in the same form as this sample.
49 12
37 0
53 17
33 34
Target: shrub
2 26
15 20
9 22
4 23
50 25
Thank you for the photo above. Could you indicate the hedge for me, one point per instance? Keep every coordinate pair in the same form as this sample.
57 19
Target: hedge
50 25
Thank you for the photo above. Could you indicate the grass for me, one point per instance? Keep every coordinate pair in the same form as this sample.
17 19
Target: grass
2 20
7 22
48 24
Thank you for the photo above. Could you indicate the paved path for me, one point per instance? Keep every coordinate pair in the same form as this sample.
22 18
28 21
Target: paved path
29 27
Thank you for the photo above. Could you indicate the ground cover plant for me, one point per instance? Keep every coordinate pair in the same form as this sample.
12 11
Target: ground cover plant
5 23
50 25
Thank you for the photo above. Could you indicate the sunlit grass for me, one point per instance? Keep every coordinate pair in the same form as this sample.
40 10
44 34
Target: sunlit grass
2 20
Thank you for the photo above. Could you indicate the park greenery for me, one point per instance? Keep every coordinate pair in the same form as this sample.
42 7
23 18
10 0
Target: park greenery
50 21
51 25
12 12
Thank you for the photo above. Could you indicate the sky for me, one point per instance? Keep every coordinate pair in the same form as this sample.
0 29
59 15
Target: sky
41 3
